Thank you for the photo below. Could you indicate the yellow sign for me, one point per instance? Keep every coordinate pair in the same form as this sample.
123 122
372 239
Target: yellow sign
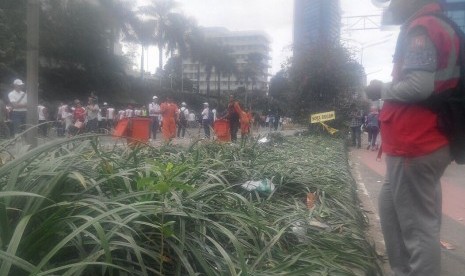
322 117
329 129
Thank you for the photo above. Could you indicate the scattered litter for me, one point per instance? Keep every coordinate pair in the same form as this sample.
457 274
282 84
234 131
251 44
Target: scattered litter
447 245
264 140
379 181
263 186
318 224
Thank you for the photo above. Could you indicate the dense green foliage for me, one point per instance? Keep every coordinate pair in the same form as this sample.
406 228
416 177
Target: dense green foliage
324 78
85 207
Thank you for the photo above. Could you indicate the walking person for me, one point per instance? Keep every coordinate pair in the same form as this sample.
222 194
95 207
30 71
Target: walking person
154 114
356 120
182 120
372 126
417 152
18 101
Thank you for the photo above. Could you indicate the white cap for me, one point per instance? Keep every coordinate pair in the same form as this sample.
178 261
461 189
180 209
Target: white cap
105 103
18 82
183 103
154 97
205 103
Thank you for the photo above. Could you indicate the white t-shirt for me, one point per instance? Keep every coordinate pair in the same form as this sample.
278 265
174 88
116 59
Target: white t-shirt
92 112
205 113
154 108
110 113
41 112
16 97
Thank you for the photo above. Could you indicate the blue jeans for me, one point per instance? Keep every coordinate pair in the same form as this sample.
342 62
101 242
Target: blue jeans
18 118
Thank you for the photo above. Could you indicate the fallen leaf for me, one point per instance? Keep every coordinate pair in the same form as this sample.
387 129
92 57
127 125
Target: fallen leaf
447 245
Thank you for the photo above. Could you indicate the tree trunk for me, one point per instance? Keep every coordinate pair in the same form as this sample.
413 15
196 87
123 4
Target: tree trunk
198 77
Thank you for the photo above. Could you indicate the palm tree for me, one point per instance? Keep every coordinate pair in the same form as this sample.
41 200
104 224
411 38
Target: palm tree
167 25
121 18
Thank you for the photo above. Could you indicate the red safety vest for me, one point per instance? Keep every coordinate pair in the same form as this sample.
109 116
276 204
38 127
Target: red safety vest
408 129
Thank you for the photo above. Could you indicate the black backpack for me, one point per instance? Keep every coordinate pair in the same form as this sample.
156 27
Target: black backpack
449 105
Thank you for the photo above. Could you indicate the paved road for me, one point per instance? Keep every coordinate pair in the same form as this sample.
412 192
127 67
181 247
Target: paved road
369 174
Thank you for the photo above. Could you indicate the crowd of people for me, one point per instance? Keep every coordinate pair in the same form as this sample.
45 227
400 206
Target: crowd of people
368 123
168 118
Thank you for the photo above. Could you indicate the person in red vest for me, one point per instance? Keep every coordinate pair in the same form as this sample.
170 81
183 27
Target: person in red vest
417 152
169 113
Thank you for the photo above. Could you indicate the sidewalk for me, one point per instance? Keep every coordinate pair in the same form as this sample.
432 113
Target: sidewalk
369 178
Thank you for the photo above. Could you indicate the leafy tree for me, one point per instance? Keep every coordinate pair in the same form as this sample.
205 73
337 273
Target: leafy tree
12 40
325 79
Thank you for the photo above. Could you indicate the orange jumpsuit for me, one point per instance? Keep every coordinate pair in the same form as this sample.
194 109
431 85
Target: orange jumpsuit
168 112
245 119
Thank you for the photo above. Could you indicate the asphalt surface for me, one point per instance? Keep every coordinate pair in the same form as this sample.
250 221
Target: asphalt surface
369 174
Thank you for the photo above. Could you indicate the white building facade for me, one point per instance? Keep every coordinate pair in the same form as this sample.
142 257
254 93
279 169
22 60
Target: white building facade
241 44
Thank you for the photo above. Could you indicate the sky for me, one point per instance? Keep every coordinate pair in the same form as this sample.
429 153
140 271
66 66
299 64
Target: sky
374 48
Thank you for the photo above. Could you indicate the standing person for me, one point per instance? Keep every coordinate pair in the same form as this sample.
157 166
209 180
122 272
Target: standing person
103 123
245 121
356 120
92 110
79 116
67 116
111 117
18 101
182 121
372 126
206 120
417 152
60 123
154 114
169 112
233 113
42 114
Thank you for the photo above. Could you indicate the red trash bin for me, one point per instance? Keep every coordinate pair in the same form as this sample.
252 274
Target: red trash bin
221 128
139 130
135 129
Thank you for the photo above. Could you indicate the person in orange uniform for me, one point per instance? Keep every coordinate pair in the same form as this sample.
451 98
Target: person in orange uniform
169 113
245 119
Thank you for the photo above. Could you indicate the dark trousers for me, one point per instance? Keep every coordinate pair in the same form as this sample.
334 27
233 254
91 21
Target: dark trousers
182 128
154 127
372 134
18 119
60 125
356 135
43 127
92 125
234 128
206 127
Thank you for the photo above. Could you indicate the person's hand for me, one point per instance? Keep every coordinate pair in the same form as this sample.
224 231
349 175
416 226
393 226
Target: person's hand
373 90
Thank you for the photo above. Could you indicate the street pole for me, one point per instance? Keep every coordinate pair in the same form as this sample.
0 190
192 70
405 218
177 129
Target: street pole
32 79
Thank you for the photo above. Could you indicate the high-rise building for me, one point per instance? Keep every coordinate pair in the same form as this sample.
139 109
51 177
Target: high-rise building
316 22
241 44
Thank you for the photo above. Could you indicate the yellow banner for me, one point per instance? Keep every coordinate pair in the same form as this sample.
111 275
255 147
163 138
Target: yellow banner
322 117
